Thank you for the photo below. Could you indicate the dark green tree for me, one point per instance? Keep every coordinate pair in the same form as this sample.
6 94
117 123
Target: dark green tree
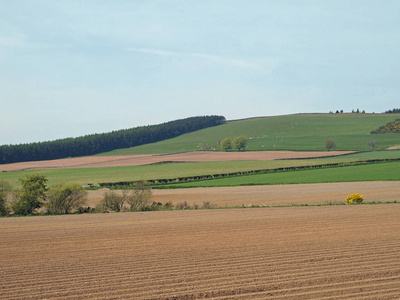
31 196
330 144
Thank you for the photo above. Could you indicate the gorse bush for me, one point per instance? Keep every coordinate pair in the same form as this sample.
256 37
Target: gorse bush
168 205
391 127
182 205
354 198
208 205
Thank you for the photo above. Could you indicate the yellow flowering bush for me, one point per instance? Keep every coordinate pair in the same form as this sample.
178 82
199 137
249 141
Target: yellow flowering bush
354 198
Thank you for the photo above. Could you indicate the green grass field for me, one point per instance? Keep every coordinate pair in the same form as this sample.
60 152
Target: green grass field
290 132
85 176
371 172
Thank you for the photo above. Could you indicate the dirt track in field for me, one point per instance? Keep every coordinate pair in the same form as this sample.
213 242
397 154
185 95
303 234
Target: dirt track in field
146 159
274 195
331 252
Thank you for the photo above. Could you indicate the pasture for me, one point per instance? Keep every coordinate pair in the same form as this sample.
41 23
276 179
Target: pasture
388 171
65 171
305 132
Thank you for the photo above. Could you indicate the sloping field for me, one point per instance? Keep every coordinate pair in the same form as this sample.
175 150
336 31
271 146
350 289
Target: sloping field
138 160
289 132
335 252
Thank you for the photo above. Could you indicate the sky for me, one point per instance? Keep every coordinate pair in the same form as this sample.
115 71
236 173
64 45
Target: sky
74 67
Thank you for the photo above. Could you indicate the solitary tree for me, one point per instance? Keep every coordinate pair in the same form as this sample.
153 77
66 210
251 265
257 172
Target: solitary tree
66 198
330 144
31 196
226 144
240 143
372 144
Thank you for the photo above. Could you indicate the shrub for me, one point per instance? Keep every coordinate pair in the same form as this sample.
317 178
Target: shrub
139 198
168 205
182 205
5 188
354 198
66 198
3 205
112 201
208 204
156 206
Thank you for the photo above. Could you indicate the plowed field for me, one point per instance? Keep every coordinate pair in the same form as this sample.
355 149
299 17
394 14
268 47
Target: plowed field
331 252
274 195
145 159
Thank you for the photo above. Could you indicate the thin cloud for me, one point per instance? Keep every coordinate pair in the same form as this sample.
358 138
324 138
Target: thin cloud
153 51
236 63
12 42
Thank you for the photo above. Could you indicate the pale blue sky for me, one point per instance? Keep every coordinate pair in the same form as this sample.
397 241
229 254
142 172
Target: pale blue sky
75 67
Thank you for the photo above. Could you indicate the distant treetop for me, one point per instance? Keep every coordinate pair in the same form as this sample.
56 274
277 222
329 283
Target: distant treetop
393 111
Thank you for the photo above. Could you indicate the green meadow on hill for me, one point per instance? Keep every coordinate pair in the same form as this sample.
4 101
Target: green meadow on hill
299 132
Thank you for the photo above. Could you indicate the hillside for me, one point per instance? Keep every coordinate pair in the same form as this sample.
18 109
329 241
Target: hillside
97 143
289 132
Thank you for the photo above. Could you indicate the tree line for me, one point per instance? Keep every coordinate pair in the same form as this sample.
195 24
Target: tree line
103 142
393 111
35 197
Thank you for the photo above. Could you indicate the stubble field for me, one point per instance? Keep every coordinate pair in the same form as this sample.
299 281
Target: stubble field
330 252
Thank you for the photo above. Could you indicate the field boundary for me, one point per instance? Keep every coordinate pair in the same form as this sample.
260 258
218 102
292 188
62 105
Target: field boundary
155 182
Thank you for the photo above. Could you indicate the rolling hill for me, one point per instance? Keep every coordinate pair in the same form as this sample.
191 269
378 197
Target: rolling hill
299 132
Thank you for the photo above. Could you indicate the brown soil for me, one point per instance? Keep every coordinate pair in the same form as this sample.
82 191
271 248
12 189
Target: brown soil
331 252
274 195
136 160
394 147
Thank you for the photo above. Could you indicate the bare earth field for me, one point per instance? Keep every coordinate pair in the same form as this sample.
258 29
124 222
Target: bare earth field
274 195
330 252
137 160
